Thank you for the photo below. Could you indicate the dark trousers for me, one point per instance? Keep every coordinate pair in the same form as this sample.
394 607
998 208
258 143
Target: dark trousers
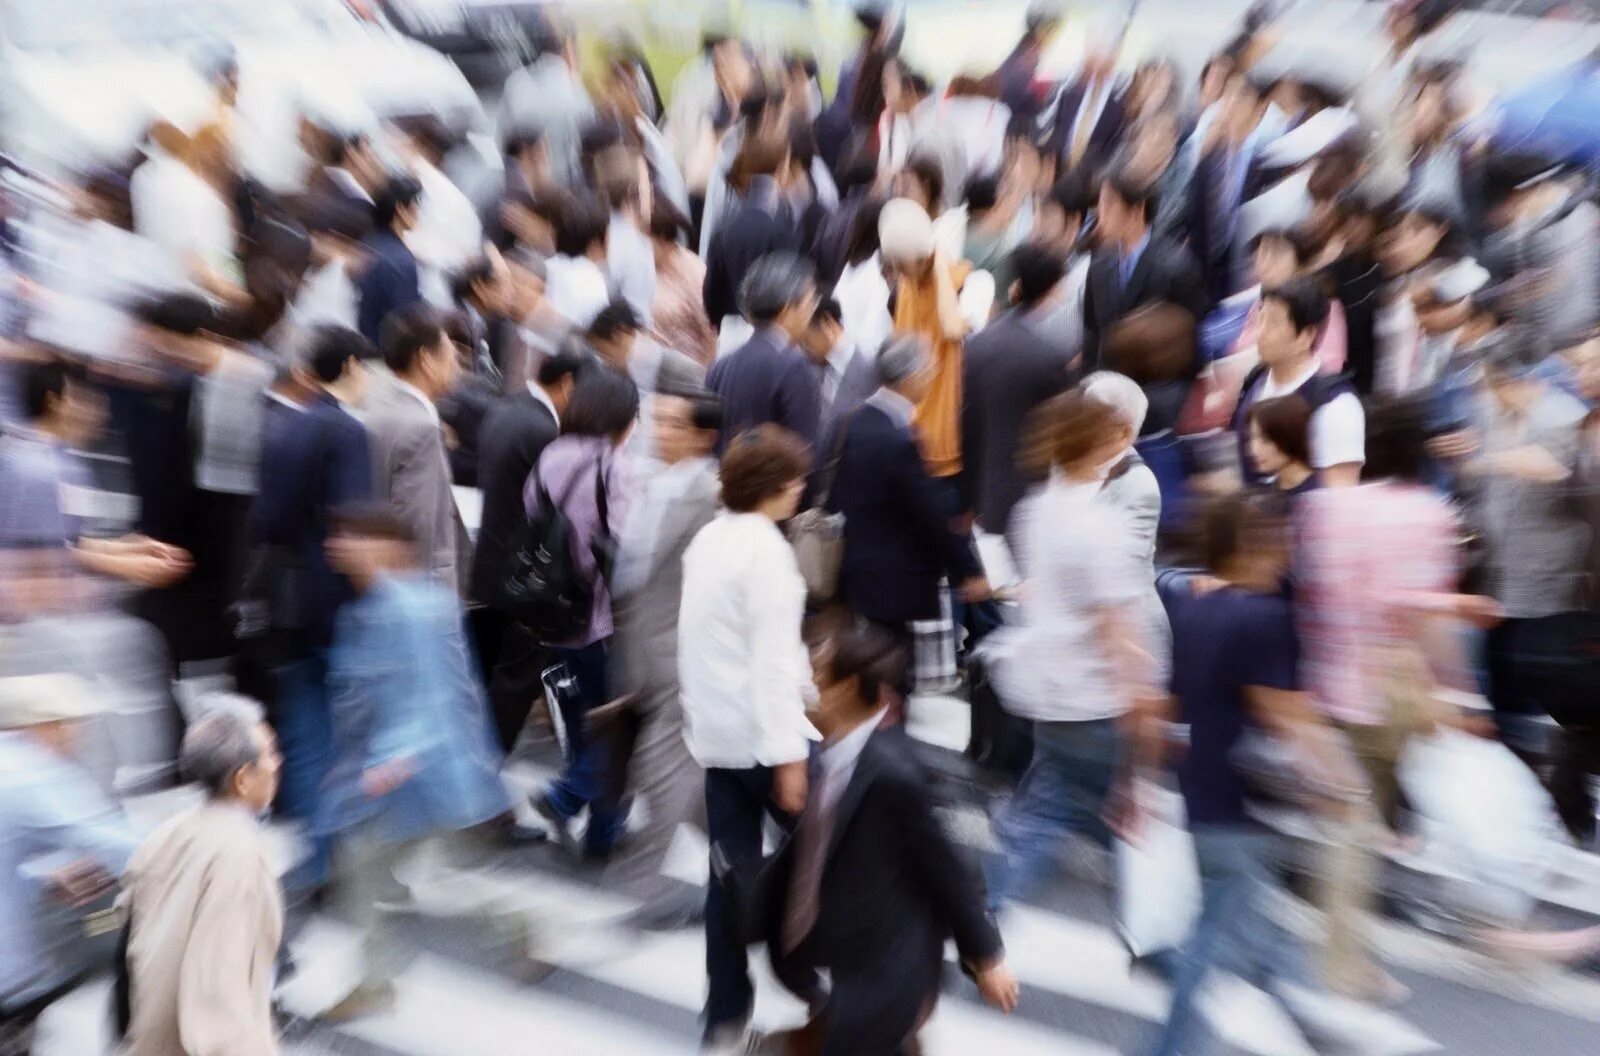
736 803
585 780
302 716
511 661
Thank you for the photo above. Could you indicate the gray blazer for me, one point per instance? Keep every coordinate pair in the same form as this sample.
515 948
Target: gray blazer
644 653
1132 488
411 472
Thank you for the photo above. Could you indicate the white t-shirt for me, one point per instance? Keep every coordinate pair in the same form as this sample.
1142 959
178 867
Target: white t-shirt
1338 427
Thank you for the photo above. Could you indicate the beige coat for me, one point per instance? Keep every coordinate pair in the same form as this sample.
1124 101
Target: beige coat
207 918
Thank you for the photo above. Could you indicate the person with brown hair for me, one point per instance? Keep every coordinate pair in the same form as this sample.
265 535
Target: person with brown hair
1075 663
1280 444
745 682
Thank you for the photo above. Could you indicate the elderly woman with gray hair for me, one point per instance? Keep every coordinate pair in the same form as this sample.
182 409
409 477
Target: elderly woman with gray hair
205 913
900 531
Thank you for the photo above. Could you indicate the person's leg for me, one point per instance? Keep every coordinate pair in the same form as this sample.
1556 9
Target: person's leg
736 802
671 786
1225 892
1028 829
365 875
582 778
513 680
304 723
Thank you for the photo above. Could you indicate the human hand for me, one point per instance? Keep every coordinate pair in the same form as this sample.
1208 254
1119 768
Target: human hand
789 786
998 986
152 568
1462 443
1480 611
975 590
384 778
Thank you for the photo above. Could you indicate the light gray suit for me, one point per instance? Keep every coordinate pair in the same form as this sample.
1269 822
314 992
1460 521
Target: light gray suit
1131 487
644 658
411 472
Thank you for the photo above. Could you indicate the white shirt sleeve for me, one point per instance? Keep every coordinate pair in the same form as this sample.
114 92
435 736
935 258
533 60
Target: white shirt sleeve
976 299
1339 433
779 668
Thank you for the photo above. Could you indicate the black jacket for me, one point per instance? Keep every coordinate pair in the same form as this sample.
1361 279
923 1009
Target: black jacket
1164 272
740 241
515 432
898 539
893 890
1010 368
767 380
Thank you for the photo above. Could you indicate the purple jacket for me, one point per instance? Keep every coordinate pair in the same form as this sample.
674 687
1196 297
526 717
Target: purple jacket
566 468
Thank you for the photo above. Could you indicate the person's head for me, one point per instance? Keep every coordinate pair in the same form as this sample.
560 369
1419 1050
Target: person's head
396 206
1408 21
485 284
981 195
335 361
1397 435
1125 398
1242 105
1292 317
864 242
1433 113
368 542
1424 233
232 753
50 709
905 365
613 332
668 226
1511 371
57 399
610 163
1039 267
1279 255
604 403
418 351
530 221
1040 24
1519 184
1153 145
1154 88
1214 77
826 328
906 238
1125 210
780 290
922 181
525 149
686 426
181 330
764 471
580 228
1026 159
336 226
558 376
1246 538
1280 434
1074 434
903 88
762 155
1060 217
856 666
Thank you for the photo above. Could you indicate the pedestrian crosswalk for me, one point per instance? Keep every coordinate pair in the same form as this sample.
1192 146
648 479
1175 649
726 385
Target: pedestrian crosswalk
619 991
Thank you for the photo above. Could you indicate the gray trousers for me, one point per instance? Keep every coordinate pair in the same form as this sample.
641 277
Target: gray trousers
664 777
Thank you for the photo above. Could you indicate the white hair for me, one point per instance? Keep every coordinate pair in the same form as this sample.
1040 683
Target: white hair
1121 393
221 742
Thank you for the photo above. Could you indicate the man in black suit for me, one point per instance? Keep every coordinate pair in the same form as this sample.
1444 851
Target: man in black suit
515 432
870 880
1012 366
769 379
314 460
899 530
846 373
1089 116
391 280
763 224
1131 268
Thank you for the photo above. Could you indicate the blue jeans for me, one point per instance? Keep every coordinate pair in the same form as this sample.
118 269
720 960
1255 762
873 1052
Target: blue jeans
736 803
583 781
304 721
1234 931
1063 790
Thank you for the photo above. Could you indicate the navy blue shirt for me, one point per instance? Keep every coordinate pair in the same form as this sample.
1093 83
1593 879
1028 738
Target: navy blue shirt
1222 642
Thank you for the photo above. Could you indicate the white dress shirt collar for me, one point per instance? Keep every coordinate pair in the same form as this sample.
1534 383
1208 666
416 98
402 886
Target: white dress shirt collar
538 393
838 759
840 355
406 386
899 409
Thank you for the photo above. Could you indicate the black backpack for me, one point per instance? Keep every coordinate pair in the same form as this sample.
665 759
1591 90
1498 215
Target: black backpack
543 589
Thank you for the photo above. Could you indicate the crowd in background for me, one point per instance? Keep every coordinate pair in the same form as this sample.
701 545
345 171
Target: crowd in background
1241 430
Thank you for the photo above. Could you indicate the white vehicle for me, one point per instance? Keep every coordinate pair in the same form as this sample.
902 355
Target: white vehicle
81 80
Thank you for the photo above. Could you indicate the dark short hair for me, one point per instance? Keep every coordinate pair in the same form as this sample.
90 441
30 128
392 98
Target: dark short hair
705 412
1307 304
1241 522
40 381
520 140
340 147
1397 430
759 463
477 271
926 168
614 320
982 193
405 332
774 282
560 364
580 223
1132 193
400 193
603 403
1074 193
179 313
869 653
332 348
667 221
1297 241
369 520
828 311
1286 423
1039 269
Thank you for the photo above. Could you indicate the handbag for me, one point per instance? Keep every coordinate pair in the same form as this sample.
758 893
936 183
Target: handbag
817 535
543 590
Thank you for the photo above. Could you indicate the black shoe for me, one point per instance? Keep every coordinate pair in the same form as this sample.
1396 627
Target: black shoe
560 828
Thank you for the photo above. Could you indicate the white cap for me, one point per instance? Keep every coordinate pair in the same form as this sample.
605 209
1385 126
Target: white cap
905 233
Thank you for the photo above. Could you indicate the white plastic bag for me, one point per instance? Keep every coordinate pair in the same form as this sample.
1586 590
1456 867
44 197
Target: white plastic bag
1158 879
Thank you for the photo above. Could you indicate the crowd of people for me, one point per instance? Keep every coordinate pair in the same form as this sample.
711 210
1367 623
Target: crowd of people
1240 430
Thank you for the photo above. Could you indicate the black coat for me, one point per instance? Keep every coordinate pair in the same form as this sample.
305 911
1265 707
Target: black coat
1009 369
767 381
744 238
515 432
893 890
1164 272
1109 128
898 539
390 282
